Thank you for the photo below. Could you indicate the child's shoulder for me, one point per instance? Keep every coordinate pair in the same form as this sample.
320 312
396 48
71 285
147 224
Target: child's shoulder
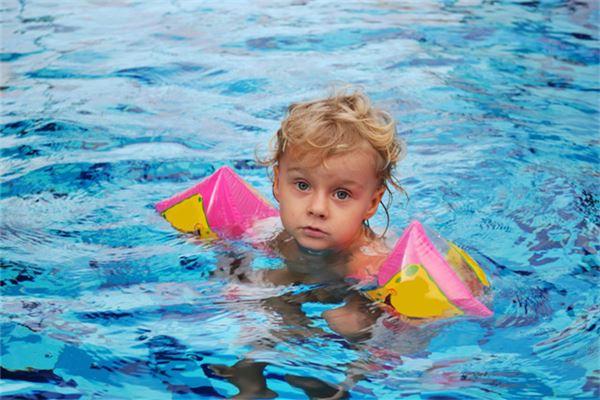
366 260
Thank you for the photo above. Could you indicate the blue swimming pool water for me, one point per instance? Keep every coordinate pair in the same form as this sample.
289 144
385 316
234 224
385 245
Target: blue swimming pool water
109 107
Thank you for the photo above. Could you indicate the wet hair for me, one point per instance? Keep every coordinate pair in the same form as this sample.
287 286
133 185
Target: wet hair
339 124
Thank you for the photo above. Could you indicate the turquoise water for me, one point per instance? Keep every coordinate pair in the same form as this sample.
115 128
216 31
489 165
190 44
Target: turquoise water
109 107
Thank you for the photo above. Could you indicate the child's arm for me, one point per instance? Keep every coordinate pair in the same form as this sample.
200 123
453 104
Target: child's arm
354 319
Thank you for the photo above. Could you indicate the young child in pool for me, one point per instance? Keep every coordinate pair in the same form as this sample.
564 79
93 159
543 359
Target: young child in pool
332 161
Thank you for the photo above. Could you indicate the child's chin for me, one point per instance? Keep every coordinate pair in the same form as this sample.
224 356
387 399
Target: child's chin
310 248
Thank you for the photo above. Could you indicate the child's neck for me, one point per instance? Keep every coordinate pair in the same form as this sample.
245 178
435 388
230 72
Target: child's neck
315 253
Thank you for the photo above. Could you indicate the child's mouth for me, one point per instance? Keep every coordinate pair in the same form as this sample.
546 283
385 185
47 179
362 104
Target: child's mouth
313 232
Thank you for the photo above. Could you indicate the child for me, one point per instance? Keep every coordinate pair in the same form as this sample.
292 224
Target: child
332 161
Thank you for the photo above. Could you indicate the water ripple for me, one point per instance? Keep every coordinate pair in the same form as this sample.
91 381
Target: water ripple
66 178
102 298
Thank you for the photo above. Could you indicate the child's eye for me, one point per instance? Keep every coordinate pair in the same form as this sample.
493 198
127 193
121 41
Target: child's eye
342 195
302 186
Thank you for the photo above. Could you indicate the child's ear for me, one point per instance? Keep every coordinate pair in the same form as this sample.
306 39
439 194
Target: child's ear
276 182
375 199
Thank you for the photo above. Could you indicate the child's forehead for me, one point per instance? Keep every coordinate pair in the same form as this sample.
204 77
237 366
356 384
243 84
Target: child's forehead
308 154
310 157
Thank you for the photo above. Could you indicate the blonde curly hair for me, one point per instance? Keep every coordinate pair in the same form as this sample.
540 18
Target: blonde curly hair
339 124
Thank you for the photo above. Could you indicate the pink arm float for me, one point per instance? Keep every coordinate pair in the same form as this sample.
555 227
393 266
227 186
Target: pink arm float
223 202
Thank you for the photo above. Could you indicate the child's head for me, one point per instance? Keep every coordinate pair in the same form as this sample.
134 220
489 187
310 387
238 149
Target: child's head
332 161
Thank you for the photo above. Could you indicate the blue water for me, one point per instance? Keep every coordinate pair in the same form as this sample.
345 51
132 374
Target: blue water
108 107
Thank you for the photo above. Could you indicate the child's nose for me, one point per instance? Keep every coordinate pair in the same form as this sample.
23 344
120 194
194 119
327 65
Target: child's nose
318 205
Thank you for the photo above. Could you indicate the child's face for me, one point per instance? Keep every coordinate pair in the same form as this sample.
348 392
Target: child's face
323 205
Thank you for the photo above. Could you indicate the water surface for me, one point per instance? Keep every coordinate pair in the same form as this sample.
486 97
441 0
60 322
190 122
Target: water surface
109 107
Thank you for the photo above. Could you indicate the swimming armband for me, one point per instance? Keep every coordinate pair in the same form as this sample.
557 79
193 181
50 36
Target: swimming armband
425 276
222 203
